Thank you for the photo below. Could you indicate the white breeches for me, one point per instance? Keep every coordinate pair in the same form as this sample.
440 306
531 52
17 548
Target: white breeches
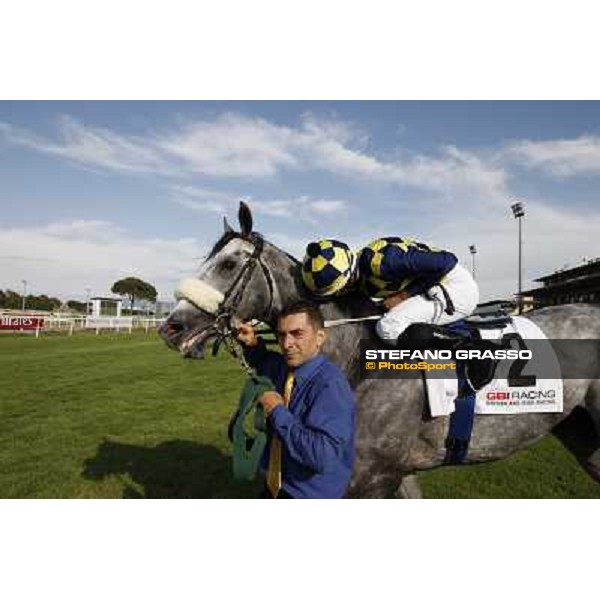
461 288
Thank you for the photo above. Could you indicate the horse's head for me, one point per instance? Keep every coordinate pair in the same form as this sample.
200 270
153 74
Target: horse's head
238 279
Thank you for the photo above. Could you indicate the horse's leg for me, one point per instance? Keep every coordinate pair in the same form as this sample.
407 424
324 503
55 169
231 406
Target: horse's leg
410 488
593 465
374 476
388 416
592 404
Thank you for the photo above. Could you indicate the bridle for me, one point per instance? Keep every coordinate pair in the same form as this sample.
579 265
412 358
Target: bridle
223 328
233 296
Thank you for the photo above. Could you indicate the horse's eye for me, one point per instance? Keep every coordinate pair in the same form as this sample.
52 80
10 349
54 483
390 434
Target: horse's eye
228 265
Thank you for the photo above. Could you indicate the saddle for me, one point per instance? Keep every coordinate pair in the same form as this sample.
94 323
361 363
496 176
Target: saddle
464 334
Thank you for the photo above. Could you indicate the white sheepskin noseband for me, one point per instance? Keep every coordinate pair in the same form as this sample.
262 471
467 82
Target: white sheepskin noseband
199 293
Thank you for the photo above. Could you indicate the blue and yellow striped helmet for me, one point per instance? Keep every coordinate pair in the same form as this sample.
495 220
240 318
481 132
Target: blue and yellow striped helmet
329 266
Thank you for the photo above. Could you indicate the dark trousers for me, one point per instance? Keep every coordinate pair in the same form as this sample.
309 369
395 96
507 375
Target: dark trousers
282 495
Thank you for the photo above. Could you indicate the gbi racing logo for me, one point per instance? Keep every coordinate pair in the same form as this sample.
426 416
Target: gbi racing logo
522 395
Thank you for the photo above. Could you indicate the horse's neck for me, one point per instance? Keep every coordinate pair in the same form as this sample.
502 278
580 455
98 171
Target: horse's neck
343 340
285 272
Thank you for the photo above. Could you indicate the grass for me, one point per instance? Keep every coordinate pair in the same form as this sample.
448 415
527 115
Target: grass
120 416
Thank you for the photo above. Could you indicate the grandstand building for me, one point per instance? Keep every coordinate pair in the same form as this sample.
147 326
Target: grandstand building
565 286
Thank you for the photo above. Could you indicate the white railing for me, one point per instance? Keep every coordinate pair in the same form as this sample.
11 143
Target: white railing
71 325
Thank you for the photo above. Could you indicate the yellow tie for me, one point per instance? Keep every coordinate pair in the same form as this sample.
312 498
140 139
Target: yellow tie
274 472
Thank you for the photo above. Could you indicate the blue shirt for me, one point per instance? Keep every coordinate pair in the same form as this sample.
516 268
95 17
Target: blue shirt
317 427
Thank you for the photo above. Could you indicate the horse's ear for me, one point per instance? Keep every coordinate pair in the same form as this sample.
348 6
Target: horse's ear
245 217
226 226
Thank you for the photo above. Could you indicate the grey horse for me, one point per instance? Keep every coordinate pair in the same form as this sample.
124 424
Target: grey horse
248 277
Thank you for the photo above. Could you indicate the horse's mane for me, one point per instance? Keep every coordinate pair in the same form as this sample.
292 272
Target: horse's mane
222 242
252 237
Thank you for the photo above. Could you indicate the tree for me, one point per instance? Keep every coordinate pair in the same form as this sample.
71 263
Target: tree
11 299
80 307
134 288
42 302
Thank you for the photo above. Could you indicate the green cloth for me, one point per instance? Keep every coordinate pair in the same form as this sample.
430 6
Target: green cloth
248 446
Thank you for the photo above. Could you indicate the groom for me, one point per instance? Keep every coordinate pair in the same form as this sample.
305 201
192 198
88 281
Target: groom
310 419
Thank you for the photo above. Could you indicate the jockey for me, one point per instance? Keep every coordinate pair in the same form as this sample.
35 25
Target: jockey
416 283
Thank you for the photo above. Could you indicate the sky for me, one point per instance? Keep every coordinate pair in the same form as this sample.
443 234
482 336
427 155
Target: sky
91 192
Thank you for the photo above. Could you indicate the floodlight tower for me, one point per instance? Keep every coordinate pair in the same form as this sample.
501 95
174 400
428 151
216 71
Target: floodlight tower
24 282
518 213
473 251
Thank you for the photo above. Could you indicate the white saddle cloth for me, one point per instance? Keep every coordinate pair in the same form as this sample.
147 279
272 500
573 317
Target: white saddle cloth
498 398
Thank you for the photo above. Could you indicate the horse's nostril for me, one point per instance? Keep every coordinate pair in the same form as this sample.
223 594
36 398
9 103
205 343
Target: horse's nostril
174 327
171 329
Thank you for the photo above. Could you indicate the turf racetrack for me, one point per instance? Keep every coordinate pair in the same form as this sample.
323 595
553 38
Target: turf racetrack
120 416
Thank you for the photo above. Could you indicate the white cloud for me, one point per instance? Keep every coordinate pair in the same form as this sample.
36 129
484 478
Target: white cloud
93 146
327 207
302 208
238 146
93 231
64 258
342 151
562 158
202 192
231 146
